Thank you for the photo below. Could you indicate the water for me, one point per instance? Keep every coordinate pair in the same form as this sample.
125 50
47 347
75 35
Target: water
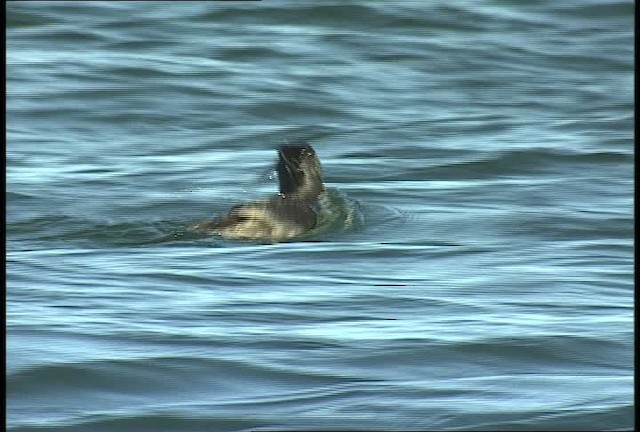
483 152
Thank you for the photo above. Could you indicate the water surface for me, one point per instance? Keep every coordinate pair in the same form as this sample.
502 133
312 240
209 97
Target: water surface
484 150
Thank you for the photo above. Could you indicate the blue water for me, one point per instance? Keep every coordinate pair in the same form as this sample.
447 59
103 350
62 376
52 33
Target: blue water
478 270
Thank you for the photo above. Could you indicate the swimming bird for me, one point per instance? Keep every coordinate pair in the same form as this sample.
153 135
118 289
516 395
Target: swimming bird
288 214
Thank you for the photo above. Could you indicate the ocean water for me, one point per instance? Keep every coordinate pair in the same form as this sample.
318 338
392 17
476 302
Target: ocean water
477 273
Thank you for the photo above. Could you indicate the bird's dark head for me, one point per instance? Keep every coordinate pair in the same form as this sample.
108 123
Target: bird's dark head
299 172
